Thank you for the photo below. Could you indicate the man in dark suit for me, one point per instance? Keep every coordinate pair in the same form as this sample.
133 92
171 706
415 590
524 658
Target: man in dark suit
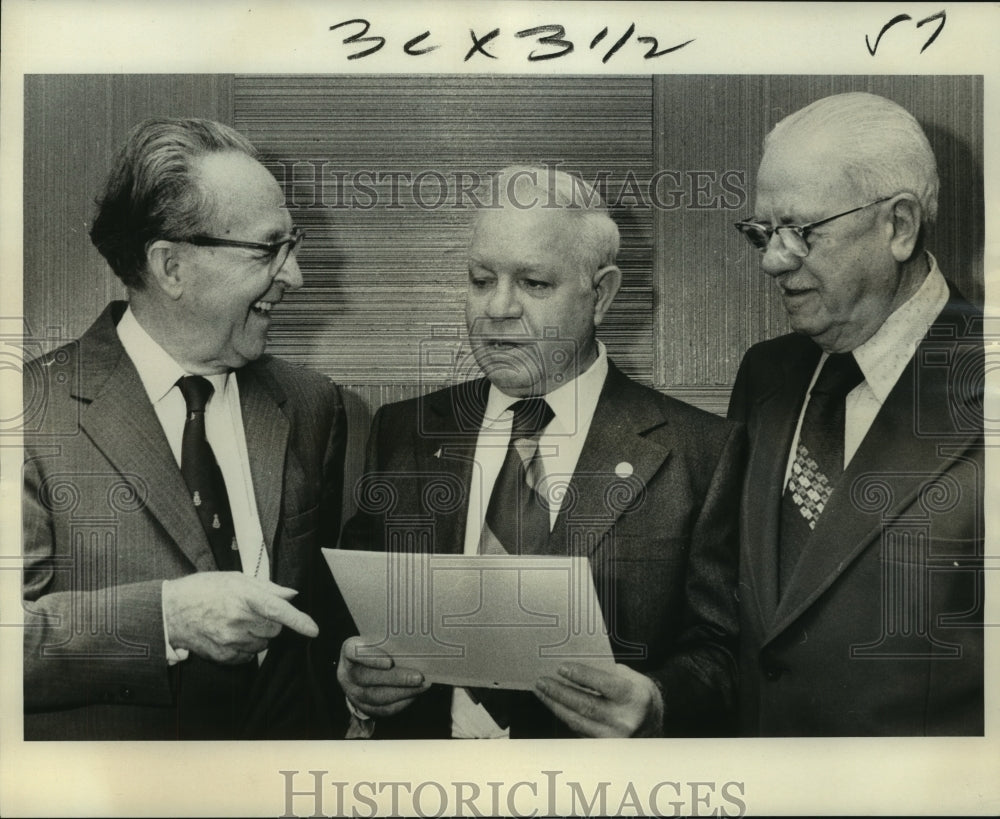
861 585
178 483
643 485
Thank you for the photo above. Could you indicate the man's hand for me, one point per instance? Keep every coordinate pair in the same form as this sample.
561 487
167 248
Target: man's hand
623 703
374 683
229 617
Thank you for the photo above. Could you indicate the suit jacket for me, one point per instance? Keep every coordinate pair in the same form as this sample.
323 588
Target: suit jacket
661 543
107 518
879 631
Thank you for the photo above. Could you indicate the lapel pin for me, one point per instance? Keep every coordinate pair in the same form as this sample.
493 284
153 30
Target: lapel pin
438 453
624 469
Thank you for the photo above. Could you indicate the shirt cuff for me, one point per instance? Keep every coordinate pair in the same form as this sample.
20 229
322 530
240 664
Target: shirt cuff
362 726
174 655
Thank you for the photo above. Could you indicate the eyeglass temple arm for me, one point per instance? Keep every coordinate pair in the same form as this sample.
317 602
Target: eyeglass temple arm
838 215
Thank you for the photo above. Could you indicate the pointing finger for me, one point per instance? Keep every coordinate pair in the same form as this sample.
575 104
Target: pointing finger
281 611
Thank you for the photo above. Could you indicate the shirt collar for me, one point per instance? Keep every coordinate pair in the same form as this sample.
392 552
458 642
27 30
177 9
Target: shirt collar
157 369
572 403
883 357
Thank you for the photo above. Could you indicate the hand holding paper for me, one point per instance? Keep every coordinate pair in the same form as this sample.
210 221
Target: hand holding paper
469 620
596 703
373 682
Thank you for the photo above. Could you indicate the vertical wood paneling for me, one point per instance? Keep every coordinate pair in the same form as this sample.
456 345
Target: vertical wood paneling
384 261
712 300
73 126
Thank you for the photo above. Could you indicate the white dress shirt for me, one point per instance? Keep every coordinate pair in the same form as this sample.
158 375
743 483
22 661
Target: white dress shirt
559 448
882 359
224 429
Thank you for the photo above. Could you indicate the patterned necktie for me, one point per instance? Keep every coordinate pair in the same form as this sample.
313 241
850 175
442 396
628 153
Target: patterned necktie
517 518
819 458
204 478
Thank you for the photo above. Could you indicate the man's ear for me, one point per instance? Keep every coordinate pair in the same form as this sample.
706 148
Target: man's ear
163 268
607 280
906 215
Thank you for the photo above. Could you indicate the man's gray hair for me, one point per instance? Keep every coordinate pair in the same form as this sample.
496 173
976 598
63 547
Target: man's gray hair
530 186
882 148
152 191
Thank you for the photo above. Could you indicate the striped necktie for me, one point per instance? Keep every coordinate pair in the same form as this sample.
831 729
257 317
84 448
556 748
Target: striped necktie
517 518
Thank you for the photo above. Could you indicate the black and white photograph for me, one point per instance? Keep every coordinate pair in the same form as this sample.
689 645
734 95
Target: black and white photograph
379 377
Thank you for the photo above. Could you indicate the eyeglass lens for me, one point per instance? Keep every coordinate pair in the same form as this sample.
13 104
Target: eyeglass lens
284 251
760 238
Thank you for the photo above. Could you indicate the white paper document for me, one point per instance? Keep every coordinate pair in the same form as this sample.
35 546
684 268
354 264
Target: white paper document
498 621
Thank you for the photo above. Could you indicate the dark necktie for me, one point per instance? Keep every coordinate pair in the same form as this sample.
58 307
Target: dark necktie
819 458
517 518
204 478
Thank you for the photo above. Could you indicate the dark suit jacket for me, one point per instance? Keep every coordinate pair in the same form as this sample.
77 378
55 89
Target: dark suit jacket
661 544
880 629
107 519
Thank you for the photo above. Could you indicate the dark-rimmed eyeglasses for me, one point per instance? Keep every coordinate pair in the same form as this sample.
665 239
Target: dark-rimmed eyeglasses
279 251
792 236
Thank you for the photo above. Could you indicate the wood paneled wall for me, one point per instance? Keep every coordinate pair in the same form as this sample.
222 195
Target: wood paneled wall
376 171
384 266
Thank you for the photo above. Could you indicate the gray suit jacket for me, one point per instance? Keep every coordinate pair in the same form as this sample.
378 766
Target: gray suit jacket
880 629
661 542
107 519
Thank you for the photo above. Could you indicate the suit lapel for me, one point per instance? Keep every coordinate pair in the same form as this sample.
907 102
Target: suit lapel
448 431
772 429
894 462
624 414
123 425
267 429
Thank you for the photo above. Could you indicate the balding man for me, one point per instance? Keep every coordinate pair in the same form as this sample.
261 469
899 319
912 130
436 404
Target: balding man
861 525
180 482
545 448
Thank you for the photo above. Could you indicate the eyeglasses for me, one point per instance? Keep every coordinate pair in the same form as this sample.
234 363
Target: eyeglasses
279 251
792 236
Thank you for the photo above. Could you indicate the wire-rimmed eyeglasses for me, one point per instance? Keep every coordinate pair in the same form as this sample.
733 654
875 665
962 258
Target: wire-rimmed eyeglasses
792 236
280 250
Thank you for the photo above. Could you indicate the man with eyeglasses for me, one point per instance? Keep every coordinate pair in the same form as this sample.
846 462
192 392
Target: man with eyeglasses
181 483
861 586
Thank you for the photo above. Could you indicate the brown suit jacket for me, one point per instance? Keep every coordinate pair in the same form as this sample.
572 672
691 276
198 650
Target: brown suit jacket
107 519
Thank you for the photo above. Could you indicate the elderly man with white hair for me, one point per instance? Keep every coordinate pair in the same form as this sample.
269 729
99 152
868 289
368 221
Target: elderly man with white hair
554 411
861 586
